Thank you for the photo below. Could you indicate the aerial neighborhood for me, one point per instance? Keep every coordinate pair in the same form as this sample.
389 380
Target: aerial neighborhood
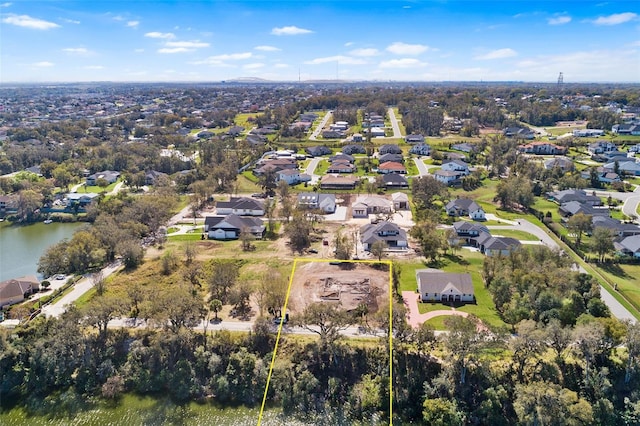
268 208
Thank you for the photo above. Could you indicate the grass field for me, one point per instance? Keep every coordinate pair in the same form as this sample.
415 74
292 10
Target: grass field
626 277
514 233
465 262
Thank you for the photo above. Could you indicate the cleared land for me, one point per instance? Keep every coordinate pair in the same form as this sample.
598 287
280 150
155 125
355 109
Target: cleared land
348 285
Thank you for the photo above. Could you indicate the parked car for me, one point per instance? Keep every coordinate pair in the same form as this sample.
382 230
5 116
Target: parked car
60 277
314 251
259 195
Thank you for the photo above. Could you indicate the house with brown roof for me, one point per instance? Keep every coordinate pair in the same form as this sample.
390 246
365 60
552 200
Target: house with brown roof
392 167
338 182
18 289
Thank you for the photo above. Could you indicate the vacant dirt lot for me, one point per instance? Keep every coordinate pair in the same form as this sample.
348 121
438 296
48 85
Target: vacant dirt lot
348 285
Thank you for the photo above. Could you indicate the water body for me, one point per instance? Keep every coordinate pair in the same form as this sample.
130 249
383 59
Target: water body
22 246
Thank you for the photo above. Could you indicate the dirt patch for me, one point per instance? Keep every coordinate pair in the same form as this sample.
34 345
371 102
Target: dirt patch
347 285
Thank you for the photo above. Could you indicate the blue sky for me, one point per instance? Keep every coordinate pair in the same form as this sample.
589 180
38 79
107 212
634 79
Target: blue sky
67 41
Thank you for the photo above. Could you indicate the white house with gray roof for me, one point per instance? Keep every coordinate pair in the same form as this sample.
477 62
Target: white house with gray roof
438 286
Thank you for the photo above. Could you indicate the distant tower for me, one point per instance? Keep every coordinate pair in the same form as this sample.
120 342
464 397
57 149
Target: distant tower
560 79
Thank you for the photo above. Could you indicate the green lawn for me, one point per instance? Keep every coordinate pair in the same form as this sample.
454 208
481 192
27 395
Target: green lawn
242 119
97 189
514 233
627 277
464 262
248 182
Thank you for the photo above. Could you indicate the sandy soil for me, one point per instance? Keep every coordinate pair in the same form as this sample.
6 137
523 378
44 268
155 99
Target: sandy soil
323 282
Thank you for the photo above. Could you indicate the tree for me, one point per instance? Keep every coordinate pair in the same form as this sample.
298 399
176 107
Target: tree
215 305
442 412
239 298
632 342
102 309
299 232
343 246
378 249
430 239
602 242
28 202
223 275
542 403
325 319
283 189
190 252
99 282
578 224
526 344
463 342
269 182
246 239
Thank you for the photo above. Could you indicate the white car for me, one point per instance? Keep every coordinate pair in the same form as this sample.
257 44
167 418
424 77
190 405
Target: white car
60 277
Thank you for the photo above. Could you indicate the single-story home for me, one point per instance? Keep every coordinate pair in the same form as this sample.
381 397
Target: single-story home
437 286
318 151
292 176
230 227
370 204
152 176
420 149
578 195
392 167
542 148
390 149
353 149
574 207
563 163
400 201
414 138
394 180
456 166
16 290
496 246
108 175
338 182
388 232
81 199
242 206
629 246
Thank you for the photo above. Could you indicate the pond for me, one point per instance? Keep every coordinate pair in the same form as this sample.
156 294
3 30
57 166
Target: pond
22 246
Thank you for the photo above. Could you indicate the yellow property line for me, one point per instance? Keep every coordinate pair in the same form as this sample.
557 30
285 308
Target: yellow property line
284 310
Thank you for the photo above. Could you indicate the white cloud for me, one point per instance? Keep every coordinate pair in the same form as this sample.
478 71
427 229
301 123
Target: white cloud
133 24
138 50
402 63
281 66
195 44
267 48
170 50
43 64
346 60
636 43
6 4
27 21
94 67
156 34
254 66
365 52
70 21
349 44
559 20
400 48
231 56
615 19
78 51
497 54
290 30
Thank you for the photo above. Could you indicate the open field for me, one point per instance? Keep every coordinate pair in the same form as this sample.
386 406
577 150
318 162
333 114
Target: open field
514 233
627 279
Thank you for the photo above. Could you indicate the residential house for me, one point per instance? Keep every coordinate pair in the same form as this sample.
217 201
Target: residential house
81 200
333 134
389 149
275 165
152 176
468 231
397 158
317 201
465 207
318 151
7 202
255 139
390 233
542 148
235 131
464 147
584 133
618 228
448 177
438 286
572 208
392 167
231 226
242 206
353 149
394 181
338 182
456 166
292 176
420 149
108 175
603 176
496 246
414 138
600 147
341 166
342 157
626 129
518 132
578 195
563 163
629 167
400 201
370 204
629 246
357 137
18 289
376 132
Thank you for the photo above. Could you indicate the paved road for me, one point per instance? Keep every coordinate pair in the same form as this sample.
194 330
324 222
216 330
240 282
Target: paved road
394 123
311 168
81 287
423 169
630 200
321 126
